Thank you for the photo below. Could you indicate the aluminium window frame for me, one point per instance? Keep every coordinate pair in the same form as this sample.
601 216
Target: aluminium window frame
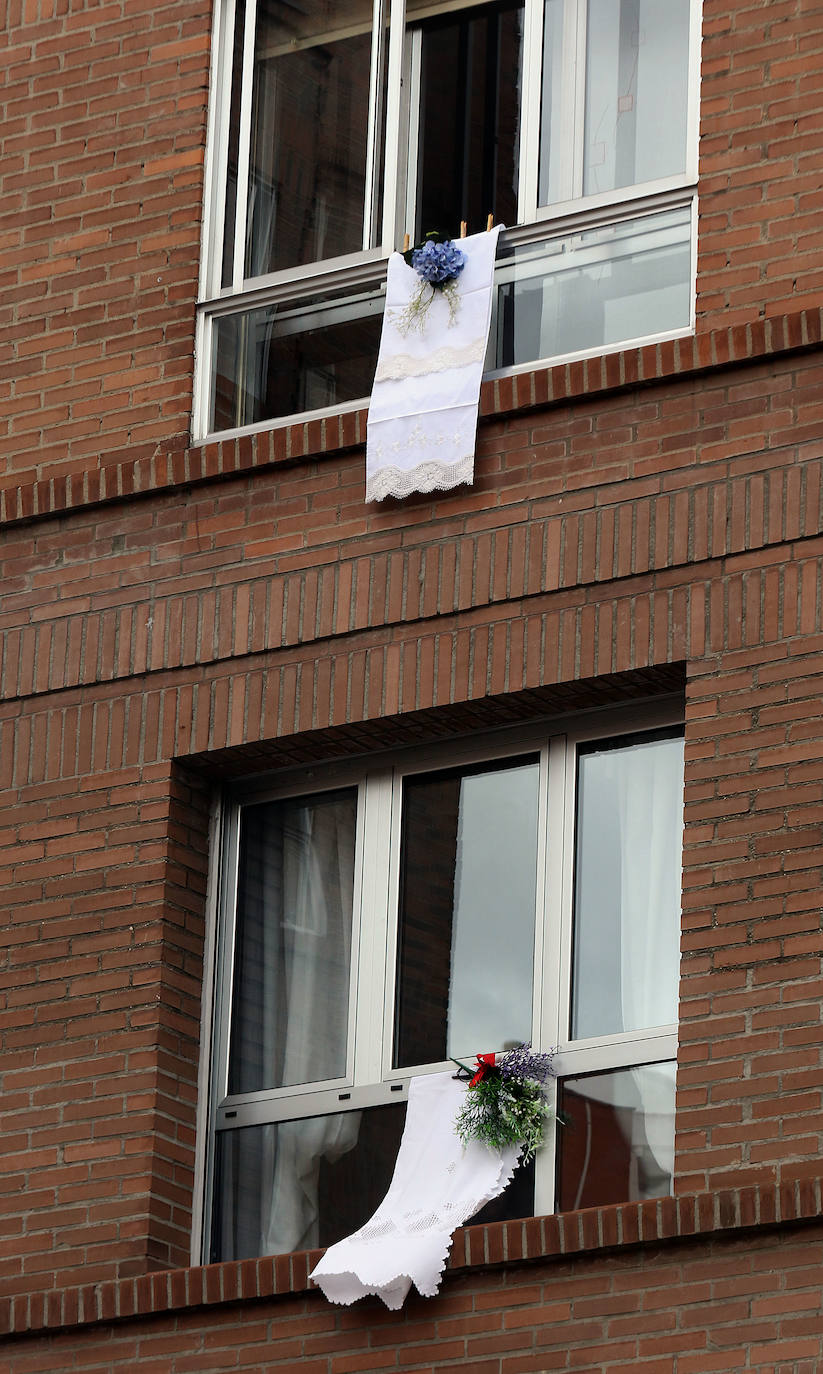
370 1079
366 267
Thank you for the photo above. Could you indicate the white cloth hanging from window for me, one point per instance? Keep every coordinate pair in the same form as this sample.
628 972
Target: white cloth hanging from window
438 1183
423 412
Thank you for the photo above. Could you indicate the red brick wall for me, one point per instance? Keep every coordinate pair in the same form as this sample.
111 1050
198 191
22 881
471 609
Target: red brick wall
104 118
622 532
726 1304
104 115
760 133
104 875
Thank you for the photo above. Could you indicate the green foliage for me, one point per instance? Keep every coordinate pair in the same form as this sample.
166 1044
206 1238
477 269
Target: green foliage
504 1111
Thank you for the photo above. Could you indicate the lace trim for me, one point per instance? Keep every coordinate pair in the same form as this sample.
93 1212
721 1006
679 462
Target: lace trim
457 438
401 365
428 476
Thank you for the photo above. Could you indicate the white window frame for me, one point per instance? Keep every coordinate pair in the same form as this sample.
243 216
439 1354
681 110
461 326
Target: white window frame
366 268
370 1079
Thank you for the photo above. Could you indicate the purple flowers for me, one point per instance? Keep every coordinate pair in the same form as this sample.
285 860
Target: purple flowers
438 263
524 1062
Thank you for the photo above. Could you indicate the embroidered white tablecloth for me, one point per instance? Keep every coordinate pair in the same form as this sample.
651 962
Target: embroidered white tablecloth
423 412
438 1184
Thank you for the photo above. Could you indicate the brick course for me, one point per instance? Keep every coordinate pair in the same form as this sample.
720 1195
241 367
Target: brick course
104 137
685 1306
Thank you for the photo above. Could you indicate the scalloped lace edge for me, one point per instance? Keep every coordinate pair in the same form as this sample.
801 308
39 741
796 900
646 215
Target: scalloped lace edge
401 365
428 476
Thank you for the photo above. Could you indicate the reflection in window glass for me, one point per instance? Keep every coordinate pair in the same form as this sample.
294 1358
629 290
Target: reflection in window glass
617 1143
569 295
467 909
636 98
627 887
293 949
636 92
591 290
310 107
294 1185
284 360
469 130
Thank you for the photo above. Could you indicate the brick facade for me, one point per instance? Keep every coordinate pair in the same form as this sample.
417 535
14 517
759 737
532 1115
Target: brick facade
644 523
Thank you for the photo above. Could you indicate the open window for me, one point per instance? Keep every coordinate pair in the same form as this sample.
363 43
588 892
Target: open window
377 922
336 128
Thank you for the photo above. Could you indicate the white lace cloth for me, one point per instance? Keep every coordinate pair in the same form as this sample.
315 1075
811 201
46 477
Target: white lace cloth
423 412
437 1185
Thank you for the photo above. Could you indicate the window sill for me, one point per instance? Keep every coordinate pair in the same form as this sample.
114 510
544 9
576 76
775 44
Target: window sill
598 1229
24 498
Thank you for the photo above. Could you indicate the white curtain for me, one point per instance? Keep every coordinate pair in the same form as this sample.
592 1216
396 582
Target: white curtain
290 1023
649 799
318 881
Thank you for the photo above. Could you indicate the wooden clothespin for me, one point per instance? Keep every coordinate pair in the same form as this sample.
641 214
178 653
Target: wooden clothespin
463 228
406 242
489 224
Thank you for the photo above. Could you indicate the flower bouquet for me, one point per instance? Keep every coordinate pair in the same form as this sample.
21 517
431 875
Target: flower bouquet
438 264
506 1100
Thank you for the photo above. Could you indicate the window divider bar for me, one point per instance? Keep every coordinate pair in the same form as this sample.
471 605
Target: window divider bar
357 936
203 1152
375 928
530 110
411 121
202 381
543 899
227 920
549 971
693 89
217 144
375 117
244 147
566 801
397 33
576 56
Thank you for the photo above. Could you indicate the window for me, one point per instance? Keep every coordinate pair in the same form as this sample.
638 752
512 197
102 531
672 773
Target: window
377 921
336 128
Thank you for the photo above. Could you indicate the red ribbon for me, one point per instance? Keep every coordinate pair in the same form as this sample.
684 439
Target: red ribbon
484 1063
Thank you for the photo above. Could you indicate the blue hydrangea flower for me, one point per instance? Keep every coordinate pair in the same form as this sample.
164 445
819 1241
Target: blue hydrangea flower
437 263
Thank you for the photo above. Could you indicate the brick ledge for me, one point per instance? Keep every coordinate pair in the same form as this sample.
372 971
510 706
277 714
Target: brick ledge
659 1220
129 478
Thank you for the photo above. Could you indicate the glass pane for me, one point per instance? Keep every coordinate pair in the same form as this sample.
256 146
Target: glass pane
467 904
469 131
636 98
617 1143
299 1184
310 108
290 1000
587 291
627 887
637 55
281 360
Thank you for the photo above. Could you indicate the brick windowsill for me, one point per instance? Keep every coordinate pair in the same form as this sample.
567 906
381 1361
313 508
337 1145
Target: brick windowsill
616 1227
